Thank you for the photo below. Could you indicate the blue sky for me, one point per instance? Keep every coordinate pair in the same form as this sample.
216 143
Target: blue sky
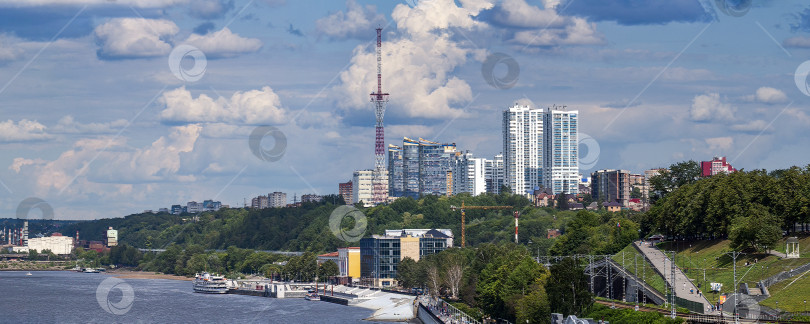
104 116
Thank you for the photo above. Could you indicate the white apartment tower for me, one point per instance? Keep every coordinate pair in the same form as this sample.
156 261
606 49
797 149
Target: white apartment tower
560 148
493 174
469 174
523 148
362 187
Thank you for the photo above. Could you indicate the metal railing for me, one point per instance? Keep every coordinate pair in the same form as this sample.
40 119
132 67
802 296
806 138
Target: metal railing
446 312
785 275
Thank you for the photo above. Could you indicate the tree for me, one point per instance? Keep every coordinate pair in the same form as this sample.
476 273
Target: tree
568 288
328 269
433 279
757 230
410 274
454 269
562 201
678 175
636 193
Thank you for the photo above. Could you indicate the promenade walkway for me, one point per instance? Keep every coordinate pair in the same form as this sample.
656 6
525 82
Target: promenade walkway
682 284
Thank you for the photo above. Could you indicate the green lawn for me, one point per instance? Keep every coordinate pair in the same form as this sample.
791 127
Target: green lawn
640 267
709 259
790 294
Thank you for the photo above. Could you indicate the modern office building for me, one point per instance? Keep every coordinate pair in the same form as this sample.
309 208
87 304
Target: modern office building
410 167
380 254
560 170
176 209
716 166
420 167
420 232
469 174
611 186
493 174
435 168
396 175
522 148
345 191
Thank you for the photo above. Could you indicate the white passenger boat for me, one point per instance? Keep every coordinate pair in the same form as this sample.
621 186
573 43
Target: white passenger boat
210 284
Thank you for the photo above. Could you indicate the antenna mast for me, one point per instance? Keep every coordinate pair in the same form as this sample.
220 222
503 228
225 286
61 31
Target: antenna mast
379 99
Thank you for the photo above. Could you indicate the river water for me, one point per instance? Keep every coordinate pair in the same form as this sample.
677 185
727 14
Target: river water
72 297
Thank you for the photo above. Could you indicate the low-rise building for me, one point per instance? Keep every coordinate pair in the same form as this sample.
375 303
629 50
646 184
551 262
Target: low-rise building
349 264
380 254
331 256
56 243
613 207
716 166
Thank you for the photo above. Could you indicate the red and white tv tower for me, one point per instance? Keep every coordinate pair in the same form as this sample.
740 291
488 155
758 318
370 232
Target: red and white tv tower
379 99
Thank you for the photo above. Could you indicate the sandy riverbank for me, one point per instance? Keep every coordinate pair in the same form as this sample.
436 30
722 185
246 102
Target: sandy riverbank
129 274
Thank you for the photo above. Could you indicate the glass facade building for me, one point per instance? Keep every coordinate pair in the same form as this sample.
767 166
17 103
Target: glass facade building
561 145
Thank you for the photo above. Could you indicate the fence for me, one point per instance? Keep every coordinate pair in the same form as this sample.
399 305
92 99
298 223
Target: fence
445 312
785 275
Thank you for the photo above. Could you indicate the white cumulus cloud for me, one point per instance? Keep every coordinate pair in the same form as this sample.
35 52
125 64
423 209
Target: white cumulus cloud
420 60
114 164
252 107
23 131
708 107
135 37
357 22
224 43
770 95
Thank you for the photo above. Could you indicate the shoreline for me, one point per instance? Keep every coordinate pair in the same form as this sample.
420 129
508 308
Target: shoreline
134 274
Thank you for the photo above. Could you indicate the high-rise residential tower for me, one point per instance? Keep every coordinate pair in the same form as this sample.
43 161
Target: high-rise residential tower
560 170
469 174
493 174
522 148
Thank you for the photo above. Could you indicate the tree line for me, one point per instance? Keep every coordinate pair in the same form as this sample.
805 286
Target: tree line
751 208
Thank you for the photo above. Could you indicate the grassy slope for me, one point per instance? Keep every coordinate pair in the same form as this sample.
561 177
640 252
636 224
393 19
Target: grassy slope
645 269
711 255
790 295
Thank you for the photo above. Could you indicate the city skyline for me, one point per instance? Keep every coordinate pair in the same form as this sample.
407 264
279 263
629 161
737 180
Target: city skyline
101 119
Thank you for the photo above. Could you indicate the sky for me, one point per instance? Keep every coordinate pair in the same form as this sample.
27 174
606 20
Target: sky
112 107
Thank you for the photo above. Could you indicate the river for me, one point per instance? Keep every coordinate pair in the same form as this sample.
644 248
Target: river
72 297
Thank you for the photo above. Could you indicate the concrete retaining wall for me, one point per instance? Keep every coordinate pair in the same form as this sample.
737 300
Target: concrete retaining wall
426 316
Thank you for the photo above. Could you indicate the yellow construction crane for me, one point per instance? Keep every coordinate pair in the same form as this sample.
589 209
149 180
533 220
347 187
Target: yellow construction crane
473 207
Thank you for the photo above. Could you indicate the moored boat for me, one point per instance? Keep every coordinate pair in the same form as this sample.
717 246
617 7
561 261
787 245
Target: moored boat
312 296
210 284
